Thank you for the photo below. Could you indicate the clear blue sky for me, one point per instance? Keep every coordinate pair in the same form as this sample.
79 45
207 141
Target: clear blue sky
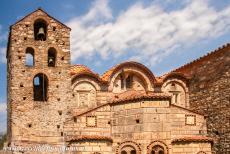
162 35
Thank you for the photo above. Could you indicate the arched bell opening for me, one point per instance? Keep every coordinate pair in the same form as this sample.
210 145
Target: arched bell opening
52 54
29 57
40 30
40 87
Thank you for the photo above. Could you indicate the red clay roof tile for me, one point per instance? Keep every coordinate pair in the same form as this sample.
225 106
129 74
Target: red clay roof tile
108 74
193 139
88 137
79 69
138 95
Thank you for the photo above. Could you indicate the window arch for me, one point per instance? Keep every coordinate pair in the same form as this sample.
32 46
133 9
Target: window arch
29 56
40 29
178 91
85 94
52 54
128 147
157 147
40 87
129 80
128 150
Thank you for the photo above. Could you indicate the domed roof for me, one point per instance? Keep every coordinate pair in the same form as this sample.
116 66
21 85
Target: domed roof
107 75
80 69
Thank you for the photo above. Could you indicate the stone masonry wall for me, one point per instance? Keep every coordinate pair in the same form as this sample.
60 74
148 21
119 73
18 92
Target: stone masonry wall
29 120
157 121
210 94
192 148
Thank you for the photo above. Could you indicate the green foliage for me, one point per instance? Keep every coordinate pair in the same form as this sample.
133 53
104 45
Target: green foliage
2 140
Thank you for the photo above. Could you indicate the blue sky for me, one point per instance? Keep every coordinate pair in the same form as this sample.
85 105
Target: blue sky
162 35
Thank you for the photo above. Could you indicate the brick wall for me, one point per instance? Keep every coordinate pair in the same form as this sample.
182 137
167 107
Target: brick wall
210 94
37 120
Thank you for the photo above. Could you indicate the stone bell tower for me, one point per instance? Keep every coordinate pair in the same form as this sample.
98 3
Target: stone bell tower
38 62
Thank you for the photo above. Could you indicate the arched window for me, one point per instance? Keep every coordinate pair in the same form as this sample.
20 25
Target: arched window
86 95
40 30
40 87
128 150
122 81
128 147
29 56
52 54
177 89
157 149
129 81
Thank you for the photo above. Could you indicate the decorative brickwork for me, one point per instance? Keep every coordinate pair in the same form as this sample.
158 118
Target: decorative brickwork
53 102
91 121
190 120
131 144
162 146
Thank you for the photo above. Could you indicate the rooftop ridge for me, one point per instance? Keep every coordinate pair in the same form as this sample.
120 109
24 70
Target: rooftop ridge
198 60
39 8
106 76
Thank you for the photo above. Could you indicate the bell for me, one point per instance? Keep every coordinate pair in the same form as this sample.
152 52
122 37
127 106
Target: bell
51 61
41 33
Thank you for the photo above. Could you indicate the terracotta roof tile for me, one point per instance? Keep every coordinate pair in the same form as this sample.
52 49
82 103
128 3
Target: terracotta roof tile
160 80
107 75
77 70
131 95
193 139
88 110
88 137
187 109
80 69
137 95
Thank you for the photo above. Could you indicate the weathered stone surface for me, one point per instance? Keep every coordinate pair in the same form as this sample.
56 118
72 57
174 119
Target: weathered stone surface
125 109
209 93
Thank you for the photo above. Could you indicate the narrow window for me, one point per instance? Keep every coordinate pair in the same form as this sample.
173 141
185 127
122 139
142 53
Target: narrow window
52 57
40 30
129 81
122 81
40 86
175 96
29 56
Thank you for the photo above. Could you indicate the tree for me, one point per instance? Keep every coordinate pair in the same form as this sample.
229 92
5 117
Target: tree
2 141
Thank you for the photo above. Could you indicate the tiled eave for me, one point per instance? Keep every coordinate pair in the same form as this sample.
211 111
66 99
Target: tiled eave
88 138
140 97
192 139
129 96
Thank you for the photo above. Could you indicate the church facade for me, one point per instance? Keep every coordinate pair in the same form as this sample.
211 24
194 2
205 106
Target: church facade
127 110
